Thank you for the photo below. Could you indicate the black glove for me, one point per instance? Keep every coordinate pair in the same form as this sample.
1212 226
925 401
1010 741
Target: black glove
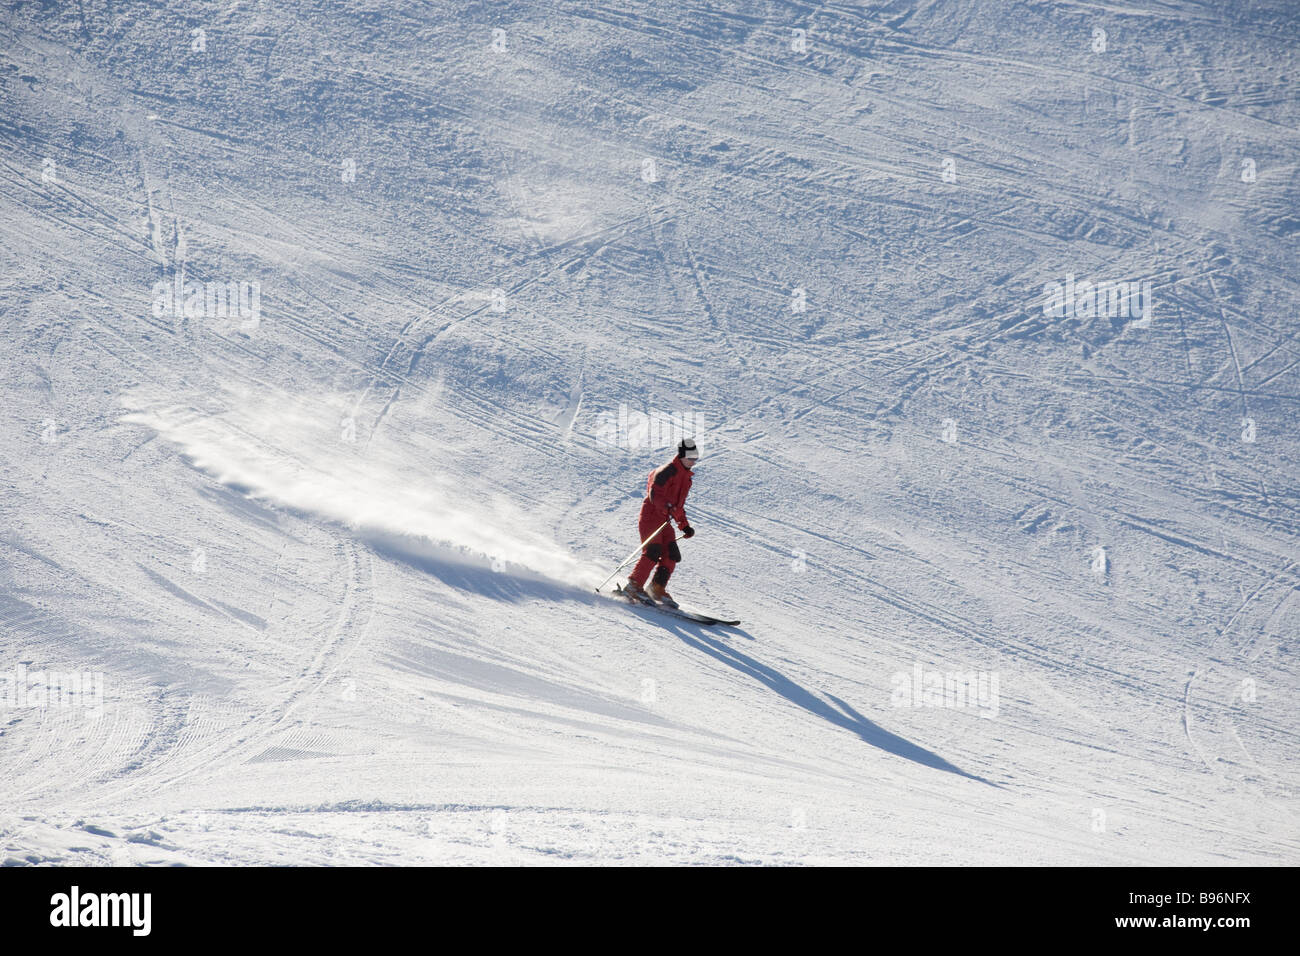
688 531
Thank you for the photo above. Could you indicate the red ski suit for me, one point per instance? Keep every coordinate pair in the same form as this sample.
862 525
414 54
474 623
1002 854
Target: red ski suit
665 494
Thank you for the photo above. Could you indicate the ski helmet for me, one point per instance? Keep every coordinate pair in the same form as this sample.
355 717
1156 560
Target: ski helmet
686 449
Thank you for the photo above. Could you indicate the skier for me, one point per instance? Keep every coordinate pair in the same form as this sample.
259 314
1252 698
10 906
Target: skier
665 494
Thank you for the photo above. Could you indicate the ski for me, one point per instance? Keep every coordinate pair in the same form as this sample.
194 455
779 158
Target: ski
705 619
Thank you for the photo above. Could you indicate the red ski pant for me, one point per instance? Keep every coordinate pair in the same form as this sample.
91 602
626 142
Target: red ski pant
661 554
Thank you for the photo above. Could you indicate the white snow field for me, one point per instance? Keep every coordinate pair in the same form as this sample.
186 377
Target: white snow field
298 566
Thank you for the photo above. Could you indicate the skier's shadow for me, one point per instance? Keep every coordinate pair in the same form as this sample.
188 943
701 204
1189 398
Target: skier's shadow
841 714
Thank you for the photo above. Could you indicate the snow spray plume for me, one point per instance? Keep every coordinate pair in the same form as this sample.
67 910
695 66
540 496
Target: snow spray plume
289 451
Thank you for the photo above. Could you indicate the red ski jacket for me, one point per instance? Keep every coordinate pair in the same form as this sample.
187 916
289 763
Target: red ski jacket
666 490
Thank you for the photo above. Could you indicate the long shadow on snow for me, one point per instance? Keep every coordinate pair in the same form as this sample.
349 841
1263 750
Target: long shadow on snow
473 574
693 636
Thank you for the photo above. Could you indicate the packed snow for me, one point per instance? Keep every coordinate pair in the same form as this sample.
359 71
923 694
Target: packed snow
339 341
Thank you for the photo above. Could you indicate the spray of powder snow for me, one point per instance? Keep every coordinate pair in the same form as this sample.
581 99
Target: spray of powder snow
294 452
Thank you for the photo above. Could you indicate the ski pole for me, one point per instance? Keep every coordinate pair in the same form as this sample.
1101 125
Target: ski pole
639 548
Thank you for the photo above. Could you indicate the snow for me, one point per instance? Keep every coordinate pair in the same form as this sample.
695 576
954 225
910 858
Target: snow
332 556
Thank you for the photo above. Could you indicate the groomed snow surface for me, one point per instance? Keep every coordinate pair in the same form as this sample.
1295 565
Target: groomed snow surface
297 567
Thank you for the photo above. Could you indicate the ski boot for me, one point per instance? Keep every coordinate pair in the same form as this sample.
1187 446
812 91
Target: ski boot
660 594
635 594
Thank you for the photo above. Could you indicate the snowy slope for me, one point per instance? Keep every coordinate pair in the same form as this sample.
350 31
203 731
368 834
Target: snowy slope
331 559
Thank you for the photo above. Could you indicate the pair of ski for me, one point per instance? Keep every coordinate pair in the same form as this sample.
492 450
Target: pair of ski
705 619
